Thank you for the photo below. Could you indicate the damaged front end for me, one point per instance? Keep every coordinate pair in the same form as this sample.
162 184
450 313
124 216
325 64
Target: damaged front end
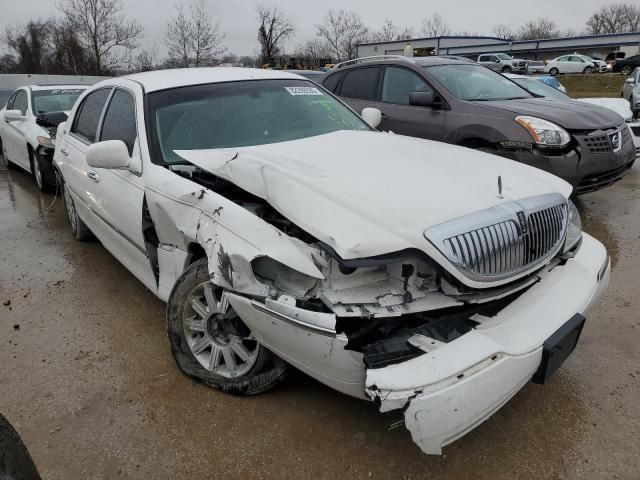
398 328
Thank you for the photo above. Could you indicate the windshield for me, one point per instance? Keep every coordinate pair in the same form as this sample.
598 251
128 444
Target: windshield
241 114
540 88
476 83
504 56
59 100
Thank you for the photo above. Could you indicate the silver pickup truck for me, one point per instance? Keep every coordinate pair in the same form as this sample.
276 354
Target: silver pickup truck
501 62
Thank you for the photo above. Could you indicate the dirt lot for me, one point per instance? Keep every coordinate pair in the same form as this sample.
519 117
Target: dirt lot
596 85
87 378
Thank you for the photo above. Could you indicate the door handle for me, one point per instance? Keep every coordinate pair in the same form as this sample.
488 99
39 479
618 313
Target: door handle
93 175
64 151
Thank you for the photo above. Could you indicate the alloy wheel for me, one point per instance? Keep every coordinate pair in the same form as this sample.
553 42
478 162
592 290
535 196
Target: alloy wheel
211 335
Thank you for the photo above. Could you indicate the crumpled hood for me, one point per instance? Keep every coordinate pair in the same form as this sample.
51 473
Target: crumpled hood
619 105
569 114
371 193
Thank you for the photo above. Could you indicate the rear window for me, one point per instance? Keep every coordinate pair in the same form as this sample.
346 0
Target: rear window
360 83
58 100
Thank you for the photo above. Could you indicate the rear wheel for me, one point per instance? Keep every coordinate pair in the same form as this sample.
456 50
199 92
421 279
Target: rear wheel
588 70
626 70
554 71
78 228
211 344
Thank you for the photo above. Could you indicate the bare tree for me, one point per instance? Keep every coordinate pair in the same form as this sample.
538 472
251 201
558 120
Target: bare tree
206 36
435 26
28 45
312 53
614 18
343 31
146 60
539 29
274 27
503 31
178 37
390 32
102 30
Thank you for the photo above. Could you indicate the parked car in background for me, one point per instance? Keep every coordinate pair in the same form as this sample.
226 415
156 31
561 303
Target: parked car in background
28 124
501 62
552 82
215 188
618 105
535 66
626 65
631 91
571 64
466 104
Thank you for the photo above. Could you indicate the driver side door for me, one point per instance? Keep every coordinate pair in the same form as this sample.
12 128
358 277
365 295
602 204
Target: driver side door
13 135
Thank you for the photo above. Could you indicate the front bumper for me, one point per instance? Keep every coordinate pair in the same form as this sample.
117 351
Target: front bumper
454 388
584 170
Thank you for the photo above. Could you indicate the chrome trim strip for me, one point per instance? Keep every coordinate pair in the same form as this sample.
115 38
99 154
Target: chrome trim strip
293 321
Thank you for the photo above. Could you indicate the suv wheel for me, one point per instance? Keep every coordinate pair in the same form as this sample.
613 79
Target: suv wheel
626 70
588 70
506 69
211 344
554 71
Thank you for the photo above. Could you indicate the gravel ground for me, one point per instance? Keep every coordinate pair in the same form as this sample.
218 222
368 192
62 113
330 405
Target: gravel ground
87 378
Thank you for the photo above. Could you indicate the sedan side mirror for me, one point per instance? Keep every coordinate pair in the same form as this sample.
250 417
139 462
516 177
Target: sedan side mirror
424 99
14 116
372 116
108 154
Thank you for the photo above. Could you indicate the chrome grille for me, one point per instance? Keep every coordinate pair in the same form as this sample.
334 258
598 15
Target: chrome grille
505 240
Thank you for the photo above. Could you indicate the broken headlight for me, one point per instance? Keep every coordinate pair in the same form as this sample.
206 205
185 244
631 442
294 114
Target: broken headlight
282 277
574 229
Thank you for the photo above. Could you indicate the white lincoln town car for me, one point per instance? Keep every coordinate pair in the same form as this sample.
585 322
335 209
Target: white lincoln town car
283 230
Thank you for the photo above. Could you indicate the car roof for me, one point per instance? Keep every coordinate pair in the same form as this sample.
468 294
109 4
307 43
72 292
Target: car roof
37 88
397 60
182 77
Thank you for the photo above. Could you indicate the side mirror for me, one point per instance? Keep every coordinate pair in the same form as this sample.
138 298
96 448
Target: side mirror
372 116
14 116
497 60
424 99
108 154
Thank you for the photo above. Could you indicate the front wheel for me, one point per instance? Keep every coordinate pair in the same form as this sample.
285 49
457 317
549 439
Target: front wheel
211 344
506 69
626 70
554 71
78 228
588 70
42 172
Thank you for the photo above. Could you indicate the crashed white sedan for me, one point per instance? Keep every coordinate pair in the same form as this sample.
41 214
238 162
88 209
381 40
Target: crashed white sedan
283 230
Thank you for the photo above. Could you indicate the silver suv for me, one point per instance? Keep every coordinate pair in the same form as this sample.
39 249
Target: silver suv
501 62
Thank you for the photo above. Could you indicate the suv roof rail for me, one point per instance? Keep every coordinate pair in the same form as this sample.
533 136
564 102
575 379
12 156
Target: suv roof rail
372 59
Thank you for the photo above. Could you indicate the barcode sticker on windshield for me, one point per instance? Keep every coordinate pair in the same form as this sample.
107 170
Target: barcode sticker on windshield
303 90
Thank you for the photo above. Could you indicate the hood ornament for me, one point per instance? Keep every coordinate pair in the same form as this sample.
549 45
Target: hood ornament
500 187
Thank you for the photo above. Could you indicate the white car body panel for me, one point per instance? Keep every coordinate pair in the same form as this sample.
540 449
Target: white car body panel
372 193
618 105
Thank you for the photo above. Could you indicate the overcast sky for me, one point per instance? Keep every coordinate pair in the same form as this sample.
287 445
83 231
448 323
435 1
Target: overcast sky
238 20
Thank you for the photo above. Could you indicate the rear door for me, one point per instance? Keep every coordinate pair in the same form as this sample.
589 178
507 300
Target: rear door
81 132
359 87
400 117
563 65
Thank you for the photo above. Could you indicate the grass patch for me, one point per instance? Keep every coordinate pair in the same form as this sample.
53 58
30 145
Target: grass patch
595 85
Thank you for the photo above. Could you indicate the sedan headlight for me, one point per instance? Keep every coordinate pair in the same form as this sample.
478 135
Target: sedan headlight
574 229
544 133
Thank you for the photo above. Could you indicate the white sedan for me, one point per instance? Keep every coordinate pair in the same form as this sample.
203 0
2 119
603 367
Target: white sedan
27 128
571 64
281 229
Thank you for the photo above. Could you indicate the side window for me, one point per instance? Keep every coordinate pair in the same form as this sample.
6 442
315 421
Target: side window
398 84
20 102
483 58
332 82
563 59
11 100
88 115
120 120
361 83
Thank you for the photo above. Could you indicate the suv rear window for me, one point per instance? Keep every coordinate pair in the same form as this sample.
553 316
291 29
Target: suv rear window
361 83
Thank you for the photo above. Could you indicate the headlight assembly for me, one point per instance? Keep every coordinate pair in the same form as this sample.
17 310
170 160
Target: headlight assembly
543 132
574 229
